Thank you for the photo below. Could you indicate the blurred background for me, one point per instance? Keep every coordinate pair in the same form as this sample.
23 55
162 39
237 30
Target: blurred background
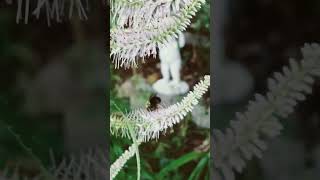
253 40
53 87
183 152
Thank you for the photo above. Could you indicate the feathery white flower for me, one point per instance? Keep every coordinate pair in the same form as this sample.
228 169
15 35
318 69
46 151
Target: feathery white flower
248 134
149 124
119 125
121 161
54 10
146 32
140 12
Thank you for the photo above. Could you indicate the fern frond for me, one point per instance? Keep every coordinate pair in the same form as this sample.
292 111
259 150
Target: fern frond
141 40
247 136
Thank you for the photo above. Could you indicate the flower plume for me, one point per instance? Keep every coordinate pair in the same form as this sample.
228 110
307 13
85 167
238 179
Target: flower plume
142 125
149 124
249 132
121 161
54 10
139 31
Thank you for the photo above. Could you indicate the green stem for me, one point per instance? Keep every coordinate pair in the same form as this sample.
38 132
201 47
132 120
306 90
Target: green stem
46 173
135 141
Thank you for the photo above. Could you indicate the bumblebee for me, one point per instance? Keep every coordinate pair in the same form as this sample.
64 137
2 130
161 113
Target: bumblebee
153 103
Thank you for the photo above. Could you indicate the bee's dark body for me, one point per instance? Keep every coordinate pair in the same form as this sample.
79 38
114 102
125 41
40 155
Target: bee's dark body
153 103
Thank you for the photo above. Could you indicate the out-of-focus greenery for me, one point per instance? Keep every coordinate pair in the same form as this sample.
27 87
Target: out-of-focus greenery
202 20
15 59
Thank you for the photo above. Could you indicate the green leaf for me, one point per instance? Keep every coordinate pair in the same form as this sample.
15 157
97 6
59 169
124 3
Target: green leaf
197 171
175 164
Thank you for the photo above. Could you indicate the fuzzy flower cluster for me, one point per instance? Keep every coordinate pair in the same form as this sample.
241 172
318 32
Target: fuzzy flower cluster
121 161
119 125
140 12
140 27
149 124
